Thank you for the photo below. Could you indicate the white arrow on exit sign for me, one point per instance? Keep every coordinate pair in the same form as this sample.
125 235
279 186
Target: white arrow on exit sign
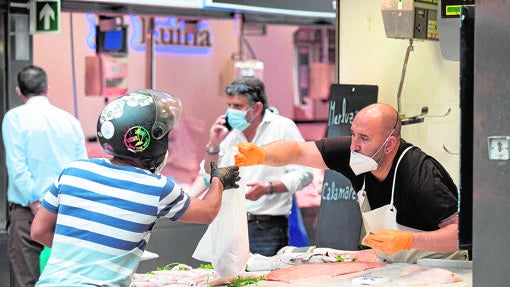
45 16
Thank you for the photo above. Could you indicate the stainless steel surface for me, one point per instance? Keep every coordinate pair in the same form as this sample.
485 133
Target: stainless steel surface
398 18
403 75
407 19
491 194
448 29
446 263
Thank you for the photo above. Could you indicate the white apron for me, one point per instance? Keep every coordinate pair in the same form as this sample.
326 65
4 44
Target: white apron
385 217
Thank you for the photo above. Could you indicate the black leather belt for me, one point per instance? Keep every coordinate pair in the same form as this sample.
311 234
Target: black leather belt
255 217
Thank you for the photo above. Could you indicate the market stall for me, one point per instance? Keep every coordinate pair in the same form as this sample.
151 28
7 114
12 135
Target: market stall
317 267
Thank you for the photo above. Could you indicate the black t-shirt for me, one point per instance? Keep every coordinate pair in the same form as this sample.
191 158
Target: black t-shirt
425 194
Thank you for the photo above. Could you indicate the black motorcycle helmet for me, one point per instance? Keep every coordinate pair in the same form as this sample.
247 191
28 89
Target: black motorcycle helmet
137 124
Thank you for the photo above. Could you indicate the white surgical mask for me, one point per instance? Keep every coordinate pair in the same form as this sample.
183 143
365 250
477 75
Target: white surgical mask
361 163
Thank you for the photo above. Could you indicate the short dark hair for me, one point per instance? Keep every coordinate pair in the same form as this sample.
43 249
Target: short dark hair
251 87
32 81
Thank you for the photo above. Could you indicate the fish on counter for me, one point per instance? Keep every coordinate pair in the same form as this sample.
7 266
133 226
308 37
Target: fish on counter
299 267
320 270
183 275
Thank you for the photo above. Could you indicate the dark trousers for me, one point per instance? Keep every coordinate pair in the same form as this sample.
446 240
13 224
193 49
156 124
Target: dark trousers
23 251
268 236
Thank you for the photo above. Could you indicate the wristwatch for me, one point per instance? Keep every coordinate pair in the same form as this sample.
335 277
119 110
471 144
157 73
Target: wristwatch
270 188
211 150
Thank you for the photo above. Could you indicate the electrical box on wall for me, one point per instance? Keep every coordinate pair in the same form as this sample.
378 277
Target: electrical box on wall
234 69
410 19
448 26
499 147
251 68
105 75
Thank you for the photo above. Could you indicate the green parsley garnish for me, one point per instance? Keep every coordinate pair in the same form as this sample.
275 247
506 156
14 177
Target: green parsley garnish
244 282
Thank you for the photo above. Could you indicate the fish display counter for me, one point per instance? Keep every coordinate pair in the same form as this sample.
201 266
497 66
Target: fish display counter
319 267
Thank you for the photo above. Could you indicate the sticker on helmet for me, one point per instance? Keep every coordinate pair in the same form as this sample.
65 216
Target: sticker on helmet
115 109
112 111
138 99
137 139
107 130
108 148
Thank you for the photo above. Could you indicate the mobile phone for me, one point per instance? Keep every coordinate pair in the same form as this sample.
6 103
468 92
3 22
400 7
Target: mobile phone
227 125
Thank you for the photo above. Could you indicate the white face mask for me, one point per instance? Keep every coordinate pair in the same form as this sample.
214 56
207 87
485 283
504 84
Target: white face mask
361 163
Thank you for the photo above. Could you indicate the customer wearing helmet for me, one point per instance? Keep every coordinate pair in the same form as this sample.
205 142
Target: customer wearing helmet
98 214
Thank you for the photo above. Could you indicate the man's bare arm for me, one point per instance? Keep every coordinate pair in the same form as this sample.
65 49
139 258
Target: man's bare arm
444 239
284 152
43 227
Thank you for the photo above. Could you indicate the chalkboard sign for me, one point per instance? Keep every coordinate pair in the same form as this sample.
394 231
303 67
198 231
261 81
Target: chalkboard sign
339 221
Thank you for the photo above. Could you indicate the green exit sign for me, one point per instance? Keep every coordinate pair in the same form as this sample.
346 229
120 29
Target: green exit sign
45 16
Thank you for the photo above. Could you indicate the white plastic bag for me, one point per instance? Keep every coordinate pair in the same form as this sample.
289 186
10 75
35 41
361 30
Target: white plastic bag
225 243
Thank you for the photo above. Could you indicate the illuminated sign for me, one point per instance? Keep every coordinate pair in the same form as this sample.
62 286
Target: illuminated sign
45 16
171 35
452 8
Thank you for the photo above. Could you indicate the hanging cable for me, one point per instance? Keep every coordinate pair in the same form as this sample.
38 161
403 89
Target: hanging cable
239 19
409 49
250 49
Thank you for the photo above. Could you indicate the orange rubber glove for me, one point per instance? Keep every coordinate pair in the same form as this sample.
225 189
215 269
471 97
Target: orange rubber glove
249 154
389 241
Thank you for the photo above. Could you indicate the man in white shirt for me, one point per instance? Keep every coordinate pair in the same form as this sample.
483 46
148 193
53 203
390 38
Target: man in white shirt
40 140
268 190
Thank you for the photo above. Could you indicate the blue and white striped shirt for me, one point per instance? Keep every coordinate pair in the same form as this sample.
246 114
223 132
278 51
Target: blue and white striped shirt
105 214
